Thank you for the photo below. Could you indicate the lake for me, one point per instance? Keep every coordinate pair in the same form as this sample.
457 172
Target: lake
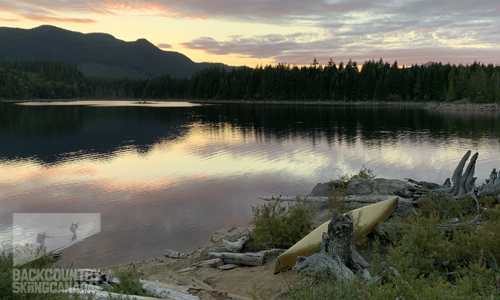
142 178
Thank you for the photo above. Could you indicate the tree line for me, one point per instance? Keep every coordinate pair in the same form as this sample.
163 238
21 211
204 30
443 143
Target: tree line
373 81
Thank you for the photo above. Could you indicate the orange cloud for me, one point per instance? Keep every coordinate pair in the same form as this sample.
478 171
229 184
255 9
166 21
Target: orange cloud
9 20
110 6
54 19
100 11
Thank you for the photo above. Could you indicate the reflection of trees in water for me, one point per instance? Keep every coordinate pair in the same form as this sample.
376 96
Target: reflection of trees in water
348 124
51 133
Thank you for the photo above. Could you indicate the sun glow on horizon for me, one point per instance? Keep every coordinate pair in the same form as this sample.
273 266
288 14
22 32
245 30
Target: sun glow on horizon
250 34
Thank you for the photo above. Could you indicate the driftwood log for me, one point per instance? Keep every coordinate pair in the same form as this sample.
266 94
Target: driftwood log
213 263
362 200
164 291
175 254
158 289
247 259
102 295
236 246
338 255
228 260
462 182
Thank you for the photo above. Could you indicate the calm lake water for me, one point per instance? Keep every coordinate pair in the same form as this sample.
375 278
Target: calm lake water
166 176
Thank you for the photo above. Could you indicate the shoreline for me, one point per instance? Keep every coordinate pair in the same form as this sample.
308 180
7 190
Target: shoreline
462 105
208 282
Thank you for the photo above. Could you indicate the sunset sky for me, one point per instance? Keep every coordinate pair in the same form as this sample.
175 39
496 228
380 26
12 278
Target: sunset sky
251 32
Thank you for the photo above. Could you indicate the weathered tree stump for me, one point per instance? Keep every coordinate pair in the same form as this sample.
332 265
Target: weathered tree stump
338 255
464 182
492 185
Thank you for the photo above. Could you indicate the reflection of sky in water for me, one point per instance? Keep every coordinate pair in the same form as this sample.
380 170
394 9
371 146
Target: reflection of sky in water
175 195
111 103
203 153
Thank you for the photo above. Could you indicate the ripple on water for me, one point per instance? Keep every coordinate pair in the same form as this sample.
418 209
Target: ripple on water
160 189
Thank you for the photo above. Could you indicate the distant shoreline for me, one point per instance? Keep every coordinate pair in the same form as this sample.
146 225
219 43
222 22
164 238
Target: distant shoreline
456 105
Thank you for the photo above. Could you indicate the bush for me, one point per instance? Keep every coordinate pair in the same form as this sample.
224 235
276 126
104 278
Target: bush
337 203
129 282
6 280
364 172
279 226
426 257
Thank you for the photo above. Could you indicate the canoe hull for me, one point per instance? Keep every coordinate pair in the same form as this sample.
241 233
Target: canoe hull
365 219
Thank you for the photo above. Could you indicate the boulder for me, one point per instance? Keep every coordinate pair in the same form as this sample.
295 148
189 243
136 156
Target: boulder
325 189
377 186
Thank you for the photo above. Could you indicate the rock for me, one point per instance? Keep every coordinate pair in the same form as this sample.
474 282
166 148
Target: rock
405 209
322 190
229 233
378 186
228 267
212 280
175 254
325 189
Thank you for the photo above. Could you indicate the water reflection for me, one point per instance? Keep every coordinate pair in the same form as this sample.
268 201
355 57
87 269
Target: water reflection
116 103
54 133
168 177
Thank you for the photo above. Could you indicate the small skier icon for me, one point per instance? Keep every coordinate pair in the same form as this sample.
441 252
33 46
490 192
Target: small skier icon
73 229
40 239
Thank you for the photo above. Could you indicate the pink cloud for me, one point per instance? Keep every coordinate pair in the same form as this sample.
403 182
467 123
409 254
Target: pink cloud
9 20
55 19
294 49
108 7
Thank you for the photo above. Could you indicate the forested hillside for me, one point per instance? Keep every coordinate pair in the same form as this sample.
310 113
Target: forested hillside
375 80
96 54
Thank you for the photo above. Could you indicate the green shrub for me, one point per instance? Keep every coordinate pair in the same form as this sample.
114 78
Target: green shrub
447 207
364 172
426 257
280 226
129 281
337 200
6 279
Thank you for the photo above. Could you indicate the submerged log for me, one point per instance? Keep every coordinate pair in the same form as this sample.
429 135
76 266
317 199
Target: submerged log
338 255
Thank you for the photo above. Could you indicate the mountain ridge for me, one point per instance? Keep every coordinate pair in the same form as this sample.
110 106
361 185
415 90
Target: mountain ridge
96 54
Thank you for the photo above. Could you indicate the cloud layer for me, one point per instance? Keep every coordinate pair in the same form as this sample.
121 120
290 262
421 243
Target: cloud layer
412 31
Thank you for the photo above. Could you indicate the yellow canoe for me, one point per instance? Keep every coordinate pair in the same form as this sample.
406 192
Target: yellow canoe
369 217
